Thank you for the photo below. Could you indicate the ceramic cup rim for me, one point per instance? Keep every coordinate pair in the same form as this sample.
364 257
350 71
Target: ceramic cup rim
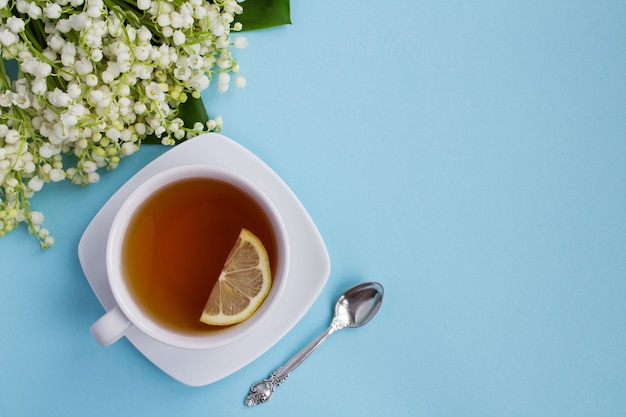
122 294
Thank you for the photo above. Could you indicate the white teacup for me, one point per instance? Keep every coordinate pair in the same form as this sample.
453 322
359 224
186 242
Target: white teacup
131 311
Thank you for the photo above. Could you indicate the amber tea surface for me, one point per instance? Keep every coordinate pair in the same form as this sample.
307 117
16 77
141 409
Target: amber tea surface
177 242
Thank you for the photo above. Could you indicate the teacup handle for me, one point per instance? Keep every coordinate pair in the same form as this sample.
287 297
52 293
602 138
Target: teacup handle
111 327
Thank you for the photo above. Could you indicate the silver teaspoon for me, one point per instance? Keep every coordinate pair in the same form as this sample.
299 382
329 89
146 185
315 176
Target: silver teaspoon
353 308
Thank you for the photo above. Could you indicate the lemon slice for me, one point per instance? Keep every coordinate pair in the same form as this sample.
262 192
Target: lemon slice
243 284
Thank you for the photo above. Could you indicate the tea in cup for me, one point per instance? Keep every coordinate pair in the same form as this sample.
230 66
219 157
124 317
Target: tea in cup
166 249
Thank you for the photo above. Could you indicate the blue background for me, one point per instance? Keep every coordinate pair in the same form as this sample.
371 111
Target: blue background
470 156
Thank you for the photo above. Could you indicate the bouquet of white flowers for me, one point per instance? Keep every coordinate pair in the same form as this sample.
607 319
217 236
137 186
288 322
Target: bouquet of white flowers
94 79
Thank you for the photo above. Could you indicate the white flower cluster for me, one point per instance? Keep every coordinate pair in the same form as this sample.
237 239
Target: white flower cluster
95 78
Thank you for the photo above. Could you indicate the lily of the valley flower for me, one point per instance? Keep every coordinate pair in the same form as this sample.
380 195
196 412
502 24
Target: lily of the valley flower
95 78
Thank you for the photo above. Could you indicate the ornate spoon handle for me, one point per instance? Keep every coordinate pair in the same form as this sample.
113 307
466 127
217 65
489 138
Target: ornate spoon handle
261 391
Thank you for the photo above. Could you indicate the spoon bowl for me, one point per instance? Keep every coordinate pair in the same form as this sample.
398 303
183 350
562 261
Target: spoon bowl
353 308
359 304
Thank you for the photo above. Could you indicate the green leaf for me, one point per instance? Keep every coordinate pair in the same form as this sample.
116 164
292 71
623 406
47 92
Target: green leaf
150 140
262 14
191 111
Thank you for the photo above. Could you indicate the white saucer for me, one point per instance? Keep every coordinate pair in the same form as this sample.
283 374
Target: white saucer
309 271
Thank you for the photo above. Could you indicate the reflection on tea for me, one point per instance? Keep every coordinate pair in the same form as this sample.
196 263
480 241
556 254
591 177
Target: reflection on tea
177 242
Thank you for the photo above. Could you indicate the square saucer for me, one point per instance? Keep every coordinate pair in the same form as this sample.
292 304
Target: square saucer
308 273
